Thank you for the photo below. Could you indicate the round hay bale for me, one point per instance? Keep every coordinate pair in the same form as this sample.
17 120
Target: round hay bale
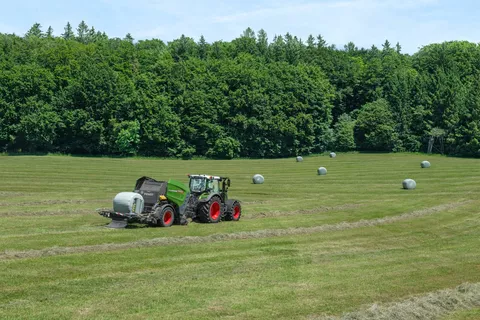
299 159
409 184
425 164
333 154
258 179
322 171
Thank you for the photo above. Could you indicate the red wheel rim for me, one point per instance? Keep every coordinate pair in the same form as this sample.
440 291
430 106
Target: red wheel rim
236 212
167 217
214 210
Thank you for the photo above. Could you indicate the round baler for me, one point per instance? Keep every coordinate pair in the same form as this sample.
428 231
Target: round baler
161 203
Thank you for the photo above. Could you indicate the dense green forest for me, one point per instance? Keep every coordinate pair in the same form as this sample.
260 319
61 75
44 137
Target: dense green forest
84 93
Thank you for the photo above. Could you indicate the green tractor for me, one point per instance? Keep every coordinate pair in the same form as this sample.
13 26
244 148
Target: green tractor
161 203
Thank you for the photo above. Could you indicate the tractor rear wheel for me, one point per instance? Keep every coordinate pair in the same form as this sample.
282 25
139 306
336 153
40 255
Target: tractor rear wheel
234 211
165 216
211 211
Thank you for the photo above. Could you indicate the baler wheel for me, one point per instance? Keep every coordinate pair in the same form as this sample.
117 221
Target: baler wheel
165 216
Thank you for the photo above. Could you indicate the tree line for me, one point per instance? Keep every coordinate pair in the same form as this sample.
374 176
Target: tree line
85 93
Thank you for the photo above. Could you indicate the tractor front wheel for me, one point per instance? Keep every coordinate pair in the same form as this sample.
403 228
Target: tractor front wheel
210 211
165 216
234 211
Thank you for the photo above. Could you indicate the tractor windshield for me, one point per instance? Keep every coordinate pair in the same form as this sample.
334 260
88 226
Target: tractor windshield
198 184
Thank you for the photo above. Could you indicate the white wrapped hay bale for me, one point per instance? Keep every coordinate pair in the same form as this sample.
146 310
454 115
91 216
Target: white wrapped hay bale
322 171
333 154
409 184
425 164
299 159
128 202
258 179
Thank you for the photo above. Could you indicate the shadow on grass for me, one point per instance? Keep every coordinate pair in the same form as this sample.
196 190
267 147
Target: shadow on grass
132 226
137 226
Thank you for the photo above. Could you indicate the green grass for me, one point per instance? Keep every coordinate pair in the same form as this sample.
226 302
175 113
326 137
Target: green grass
307 246
473 314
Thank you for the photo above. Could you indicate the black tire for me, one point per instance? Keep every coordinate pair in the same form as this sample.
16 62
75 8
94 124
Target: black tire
210 211
165 216
234 211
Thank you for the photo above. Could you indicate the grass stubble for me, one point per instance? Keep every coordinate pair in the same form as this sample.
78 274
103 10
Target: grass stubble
441 207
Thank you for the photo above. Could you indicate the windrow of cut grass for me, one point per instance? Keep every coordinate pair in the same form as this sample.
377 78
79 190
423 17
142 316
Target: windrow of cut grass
84 230
265 233
429 307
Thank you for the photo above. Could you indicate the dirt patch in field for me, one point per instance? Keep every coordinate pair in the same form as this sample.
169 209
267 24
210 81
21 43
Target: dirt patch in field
432 306
10 254
303 211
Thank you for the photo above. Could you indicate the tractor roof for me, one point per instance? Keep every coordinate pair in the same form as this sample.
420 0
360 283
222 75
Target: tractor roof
206 176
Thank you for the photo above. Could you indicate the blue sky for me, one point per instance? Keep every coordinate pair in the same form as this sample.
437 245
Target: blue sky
365 22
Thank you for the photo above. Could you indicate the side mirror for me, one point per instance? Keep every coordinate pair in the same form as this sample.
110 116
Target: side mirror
228 182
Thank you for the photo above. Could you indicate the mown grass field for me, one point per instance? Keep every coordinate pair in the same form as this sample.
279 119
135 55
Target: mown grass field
307 246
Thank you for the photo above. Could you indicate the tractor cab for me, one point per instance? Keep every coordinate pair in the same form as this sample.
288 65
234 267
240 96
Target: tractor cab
201 184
